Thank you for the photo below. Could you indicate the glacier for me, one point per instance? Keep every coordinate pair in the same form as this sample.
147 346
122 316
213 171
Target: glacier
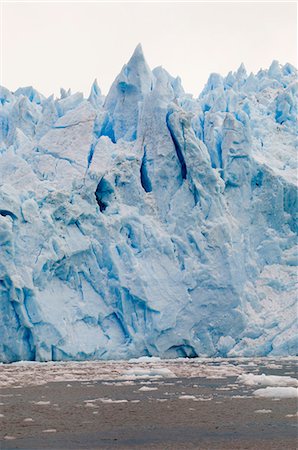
148 222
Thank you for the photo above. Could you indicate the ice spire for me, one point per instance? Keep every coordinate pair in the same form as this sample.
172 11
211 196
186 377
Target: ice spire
241 74
136 73
130 87
274 70
95 96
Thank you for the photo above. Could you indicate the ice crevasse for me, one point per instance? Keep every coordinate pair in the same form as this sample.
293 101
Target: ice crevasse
149 222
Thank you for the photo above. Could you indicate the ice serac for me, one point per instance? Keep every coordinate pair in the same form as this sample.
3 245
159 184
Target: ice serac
149 222
126 94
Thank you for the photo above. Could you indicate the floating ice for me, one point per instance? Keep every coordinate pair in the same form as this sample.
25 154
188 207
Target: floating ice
147 388
251 379
292 415
43 403
187 397
148 359
109 400
277 392
156 372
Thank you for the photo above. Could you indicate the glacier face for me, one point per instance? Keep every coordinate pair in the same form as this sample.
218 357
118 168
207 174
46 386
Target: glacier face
148 222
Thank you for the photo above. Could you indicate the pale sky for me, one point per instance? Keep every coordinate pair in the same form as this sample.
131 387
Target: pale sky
52 45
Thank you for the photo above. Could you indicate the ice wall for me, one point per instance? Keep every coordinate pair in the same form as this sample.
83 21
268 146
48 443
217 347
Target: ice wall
150 222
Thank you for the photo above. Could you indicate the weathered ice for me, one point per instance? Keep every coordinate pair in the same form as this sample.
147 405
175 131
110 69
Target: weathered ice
149 222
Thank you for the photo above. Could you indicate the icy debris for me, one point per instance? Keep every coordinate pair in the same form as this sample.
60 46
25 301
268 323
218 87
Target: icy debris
187 397
120 373
157 372
241 396
223 389
91 405
267 380
149 359
273 366
109 400
277 392
147 389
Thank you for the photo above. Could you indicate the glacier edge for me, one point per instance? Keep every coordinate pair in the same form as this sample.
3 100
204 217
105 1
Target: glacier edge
147 222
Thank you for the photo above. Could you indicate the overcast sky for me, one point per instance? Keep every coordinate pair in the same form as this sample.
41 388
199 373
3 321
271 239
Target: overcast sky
53 45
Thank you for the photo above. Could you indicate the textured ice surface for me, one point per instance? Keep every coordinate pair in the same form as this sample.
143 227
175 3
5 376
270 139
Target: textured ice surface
149 222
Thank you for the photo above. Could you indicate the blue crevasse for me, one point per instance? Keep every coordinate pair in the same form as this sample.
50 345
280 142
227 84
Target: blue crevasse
150 222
